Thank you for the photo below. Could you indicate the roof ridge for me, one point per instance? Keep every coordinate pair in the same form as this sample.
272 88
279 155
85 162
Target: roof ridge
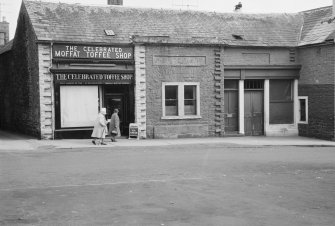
145 9
316 9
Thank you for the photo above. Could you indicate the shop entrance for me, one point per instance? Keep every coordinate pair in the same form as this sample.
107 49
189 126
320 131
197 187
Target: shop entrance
120 97
253 107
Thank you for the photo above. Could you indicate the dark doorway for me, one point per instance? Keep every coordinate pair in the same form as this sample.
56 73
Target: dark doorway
122 98
254 107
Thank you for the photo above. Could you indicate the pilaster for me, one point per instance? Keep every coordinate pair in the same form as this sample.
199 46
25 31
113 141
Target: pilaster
140 90
219 92
46 91
241 106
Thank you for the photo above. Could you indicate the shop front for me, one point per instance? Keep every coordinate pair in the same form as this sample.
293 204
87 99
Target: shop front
87 78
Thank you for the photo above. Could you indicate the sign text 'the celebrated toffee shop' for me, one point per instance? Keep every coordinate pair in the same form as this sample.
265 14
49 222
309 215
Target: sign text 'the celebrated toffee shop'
92 52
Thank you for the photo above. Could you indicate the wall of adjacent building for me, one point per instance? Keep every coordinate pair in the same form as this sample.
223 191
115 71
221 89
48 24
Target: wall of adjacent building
21 97
244 63
317 82
6 65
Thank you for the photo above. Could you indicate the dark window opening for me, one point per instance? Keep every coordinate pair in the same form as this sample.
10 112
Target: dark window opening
171 100
190 100
238 37
281 102
303 111
231 84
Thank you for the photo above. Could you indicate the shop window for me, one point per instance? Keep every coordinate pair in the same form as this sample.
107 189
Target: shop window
79 105
303 110
281 102
181 100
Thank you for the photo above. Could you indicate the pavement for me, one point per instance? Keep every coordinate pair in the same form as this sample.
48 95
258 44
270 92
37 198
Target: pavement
13 141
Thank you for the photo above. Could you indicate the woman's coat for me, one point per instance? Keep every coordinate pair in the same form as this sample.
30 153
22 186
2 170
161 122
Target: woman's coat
115 124
100 127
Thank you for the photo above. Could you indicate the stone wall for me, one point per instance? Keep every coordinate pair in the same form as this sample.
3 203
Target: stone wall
178 69
21 95
6 67
46 91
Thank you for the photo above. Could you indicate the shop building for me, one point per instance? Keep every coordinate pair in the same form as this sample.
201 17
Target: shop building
174 73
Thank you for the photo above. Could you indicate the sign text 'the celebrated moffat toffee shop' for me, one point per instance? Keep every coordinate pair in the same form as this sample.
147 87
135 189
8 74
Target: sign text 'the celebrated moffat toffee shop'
92 52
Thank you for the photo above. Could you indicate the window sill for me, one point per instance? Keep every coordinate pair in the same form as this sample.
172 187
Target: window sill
182 117
301 122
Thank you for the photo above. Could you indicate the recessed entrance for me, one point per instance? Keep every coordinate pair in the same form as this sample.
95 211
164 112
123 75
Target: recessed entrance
254 107
122 98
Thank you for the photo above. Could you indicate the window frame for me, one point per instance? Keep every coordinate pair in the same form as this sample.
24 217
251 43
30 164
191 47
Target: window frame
299 109
181 100
291 101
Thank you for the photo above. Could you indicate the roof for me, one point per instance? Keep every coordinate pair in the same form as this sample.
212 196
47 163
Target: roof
7 47
79 23
73 22
318 27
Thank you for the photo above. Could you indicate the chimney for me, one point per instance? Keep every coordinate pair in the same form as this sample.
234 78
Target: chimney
117 2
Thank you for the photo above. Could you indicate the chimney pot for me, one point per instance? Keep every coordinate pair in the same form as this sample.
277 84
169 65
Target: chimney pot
114 2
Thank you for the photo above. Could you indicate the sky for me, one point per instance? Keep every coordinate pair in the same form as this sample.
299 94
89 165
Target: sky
10 8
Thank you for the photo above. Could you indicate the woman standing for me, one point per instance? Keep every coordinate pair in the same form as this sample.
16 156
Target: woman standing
114 126
100 128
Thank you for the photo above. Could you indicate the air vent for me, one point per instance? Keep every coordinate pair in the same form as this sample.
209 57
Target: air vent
253 84
292 55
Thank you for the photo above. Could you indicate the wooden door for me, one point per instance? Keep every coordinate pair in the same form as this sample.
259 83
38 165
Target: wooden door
253 112
231 111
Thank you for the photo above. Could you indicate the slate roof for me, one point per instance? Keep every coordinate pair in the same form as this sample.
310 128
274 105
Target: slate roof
78 23
318 27
7 47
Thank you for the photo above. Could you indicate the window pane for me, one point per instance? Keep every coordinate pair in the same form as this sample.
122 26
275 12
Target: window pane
281 102
230 84
189 92
171 92
302 110
190 100
281 113
280 90
171 100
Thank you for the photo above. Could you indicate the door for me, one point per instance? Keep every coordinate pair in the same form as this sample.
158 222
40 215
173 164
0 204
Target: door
253 112
113 101
231 111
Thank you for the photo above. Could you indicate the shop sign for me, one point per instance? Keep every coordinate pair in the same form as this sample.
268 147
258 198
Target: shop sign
133 131
82 78
92 52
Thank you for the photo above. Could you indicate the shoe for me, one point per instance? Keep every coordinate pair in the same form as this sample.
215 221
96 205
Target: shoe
93 141
103 144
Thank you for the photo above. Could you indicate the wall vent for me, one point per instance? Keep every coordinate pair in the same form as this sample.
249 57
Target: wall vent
292 55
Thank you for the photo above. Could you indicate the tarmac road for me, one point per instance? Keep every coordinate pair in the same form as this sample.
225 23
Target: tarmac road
194 184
